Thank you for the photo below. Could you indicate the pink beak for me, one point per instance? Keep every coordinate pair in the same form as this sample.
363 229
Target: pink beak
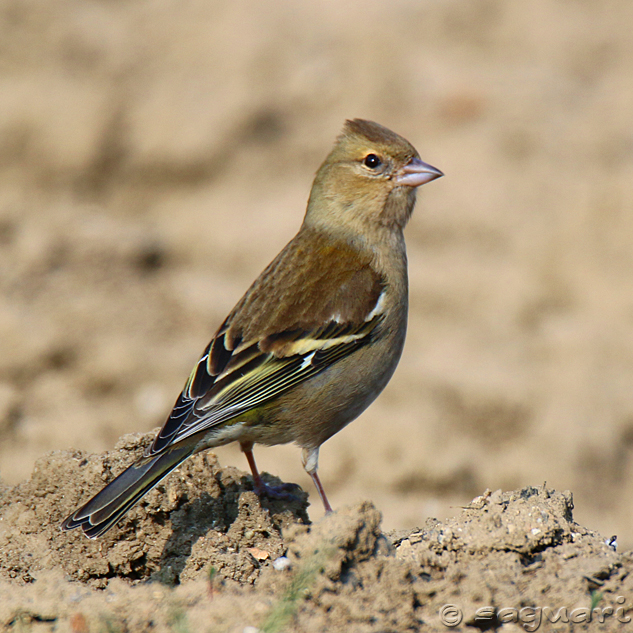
416 172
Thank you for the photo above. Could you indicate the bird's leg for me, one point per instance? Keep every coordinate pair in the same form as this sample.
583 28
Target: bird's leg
247 449
283 491
310 461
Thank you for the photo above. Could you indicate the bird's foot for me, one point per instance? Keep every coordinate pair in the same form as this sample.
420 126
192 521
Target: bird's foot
280 491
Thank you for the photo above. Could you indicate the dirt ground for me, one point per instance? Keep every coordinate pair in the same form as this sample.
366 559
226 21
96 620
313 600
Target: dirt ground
203 553
155 156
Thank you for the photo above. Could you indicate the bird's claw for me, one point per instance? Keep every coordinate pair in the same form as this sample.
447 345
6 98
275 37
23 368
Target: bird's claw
280 491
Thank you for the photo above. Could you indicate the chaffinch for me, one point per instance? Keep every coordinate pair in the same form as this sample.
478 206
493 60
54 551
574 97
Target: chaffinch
313 341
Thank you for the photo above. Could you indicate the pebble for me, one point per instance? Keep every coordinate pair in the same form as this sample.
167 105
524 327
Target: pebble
281 563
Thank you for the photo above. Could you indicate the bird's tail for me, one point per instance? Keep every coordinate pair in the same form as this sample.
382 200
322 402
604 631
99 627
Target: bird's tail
102 511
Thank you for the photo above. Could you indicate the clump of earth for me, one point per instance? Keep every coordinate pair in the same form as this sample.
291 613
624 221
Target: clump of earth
202 552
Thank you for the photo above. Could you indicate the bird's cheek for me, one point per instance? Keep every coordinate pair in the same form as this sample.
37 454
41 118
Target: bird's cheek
399 206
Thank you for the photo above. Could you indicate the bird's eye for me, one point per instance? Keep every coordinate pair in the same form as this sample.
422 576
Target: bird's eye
372 161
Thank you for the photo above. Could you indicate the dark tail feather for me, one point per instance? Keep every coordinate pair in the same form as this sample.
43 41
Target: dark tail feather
104 510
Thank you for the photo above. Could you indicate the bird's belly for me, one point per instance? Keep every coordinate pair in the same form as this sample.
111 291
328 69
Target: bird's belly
315 410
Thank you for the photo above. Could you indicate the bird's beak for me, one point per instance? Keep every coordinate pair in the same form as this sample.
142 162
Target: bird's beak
416 172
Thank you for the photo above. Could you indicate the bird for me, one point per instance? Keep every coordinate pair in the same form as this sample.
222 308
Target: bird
315 338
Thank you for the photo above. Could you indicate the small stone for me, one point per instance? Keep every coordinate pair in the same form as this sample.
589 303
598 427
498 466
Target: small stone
258 554
281 563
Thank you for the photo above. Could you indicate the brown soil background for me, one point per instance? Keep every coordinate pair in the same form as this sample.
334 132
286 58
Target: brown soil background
155 156
201 552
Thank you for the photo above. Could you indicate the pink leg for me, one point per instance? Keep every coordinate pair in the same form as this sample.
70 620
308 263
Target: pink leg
310 460
258 484
321 491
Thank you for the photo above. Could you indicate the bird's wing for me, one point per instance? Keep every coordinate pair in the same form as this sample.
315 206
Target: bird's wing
287 328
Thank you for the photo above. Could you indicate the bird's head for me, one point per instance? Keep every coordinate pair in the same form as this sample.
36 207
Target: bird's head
369 178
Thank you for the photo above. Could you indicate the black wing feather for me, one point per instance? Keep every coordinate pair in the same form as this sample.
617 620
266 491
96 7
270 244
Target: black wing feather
252 377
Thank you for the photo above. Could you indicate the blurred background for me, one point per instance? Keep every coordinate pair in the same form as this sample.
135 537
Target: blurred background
155 156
